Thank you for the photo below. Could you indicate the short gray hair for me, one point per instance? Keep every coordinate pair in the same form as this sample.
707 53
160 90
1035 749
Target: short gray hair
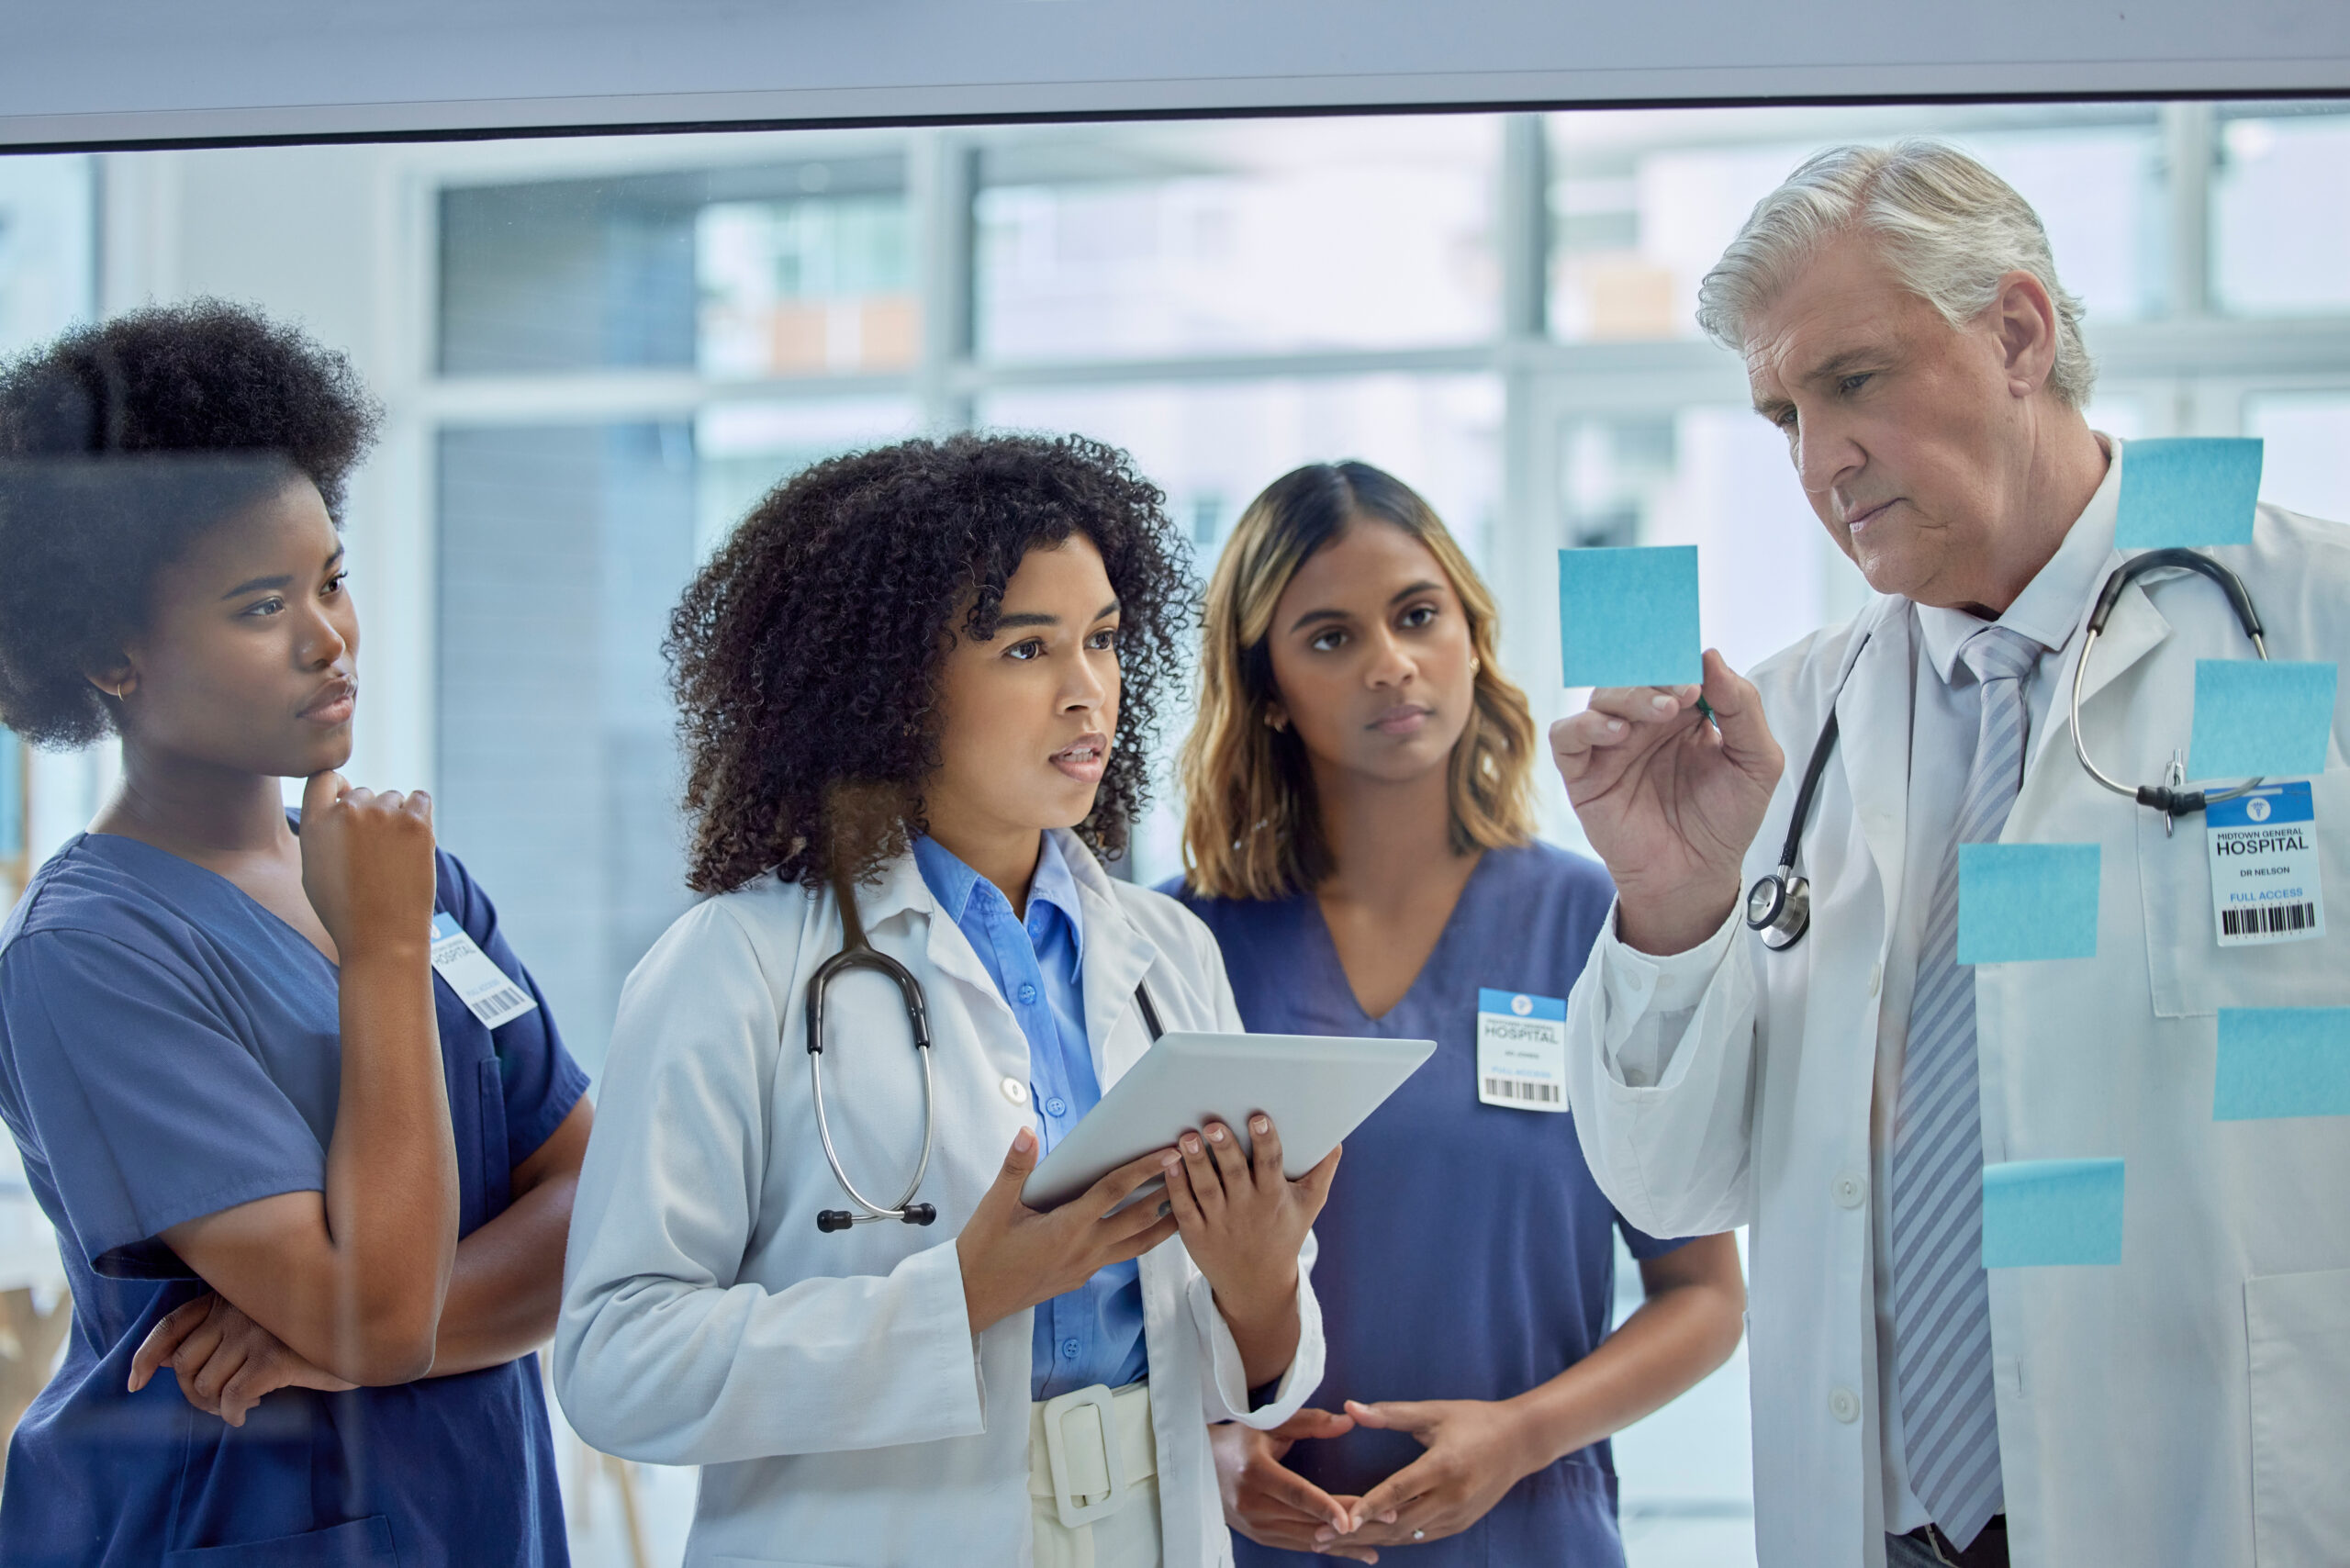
1950 227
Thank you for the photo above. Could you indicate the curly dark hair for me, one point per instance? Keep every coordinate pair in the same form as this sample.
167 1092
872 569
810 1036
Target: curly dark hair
120 445
806 654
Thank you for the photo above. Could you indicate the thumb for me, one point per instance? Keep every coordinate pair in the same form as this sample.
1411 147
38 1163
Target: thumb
1311 1423
321 791
1317 1181
1738 710
1394 1416
1018 1162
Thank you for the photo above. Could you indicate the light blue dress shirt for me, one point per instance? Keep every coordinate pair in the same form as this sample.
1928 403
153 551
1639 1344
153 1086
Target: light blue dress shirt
1093 1334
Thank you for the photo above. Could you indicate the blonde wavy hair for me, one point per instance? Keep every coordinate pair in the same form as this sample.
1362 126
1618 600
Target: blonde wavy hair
1252 828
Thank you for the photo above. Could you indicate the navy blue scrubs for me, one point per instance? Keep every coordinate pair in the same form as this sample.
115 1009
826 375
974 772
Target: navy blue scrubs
1466 1251
170 1048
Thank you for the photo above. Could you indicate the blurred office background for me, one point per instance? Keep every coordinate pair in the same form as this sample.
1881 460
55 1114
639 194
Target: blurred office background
595 353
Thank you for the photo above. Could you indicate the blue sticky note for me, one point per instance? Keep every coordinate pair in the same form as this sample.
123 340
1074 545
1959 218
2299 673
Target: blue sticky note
2042 1212
2027 900
2282 1061
2260 717
2191 490
1628 617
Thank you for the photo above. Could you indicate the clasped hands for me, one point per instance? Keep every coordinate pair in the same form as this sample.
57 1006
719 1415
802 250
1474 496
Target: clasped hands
1476 1451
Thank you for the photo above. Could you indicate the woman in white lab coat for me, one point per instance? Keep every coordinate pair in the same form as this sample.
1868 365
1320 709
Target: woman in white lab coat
926 673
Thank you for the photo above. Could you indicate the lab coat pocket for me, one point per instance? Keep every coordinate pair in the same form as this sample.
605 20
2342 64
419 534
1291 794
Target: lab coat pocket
2298 1334
2190 974
362 1544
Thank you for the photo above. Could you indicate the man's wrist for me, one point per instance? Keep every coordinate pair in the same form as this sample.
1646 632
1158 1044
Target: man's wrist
1666 928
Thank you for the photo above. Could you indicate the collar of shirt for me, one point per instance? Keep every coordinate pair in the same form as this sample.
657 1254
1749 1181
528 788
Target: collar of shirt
2053 602
1052 887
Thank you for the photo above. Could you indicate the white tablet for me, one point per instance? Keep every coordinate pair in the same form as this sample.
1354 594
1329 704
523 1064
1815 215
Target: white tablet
1316 1088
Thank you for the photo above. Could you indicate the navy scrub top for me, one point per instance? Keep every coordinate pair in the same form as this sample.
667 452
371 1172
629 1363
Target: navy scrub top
1466 1251
170 1048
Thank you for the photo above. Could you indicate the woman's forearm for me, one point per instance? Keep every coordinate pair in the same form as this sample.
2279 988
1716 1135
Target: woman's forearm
506 1288
1686 1329
391 1175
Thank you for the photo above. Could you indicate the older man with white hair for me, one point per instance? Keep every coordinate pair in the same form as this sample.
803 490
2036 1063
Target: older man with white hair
1844 1093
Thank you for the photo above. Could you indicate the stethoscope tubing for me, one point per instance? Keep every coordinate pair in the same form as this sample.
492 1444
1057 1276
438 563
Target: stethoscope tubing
1778 906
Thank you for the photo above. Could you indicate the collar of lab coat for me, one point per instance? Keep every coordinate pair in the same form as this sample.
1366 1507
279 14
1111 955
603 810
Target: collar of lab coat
1115 958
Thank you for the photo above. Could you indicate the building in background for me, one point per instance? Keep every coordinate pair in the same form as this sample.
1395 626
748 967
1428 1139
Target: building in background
595 353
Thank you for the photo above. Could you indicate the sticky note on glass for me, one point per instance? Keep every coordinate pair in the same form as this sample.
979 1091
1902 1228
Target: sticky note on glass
1628 617
2191 490
2259 717
2037 1212
2027 900
2282 1061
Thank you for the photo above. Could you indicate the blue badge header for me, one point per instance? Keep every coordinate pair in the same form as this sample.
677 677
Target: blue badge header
2269 804
1518 1005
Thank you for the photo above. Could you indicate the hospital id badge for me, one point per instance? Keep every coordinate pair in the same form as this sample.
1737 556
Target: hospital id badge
1521 1050
2263 865
481 985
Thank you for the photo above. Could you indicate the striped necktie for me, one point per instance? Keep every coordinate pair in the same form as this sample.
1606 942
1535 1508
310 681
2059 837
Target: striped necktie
1942 1302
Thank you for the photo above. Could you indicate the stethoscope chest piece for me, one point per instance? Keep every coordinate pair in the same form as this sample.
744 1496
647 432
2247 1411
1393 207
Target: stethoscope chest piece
1779 907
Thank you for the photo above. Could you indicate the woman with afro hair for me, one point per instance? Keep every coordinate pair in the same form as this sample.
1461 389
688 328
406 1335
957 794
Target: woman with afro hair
918 687
285 1163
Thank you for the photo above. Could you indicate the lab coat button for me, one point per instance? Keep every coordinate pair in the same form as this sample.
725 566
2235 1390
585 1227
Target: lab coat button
1848 1189
1845 1405
1016 1092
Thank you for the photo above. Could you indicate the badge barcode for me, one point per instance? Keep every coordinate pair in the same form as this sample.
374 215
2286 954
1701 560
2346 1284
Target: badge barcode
2268 921
1519 1089
505 999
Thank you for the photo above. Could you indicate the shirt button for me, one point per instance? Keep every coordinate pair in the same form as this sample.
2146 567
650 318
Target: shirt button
1848 1191
1845 1405
1069 1349
1057 1106
1016 1092
1027 995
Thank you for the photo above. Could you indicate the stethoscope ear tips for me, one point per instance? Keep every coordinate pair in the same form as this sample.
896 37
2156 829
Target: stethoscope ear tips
919 1213
829 1220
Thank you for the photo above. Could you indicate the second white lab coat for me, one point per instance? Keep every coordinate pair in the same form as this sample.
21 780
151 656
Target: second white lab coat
2190 1406
828 1384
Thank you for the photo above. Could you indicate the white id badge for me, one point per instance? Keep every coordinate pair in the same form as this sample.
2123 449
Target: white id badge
479 984
1521 1050
2263 865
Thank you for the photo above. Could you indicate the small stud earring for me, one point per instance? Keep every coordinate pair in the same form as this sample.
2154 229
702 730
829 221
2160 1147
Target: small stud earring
1476 664
1275 723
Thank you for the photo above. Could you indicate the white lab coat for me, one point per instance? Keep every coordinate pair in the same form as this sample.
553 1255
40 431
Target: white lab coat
2190 1406
829 1386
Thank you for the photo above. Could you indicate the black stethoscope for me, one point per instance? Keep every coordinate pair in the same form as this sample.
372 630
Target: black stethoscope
1778 905
857 953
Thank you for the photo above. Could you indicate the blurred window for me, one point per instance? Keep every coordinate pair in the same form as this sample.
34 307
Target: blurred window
2280 214
1101 242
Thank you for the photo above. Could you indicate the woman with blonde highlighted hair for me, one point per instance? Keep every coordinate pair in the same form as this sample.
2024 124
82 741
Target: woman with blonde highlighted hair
1361 841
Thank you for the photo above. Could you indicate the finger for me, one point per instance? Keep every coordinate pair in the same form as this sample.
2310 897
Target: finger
1112 1190
163 1339
1576 736
420 804
242 1392
389 800
1183 1202
1132 1220
1003 1192
1265 1153
1385 1503
198 1347
1312 1423
217 1368
355 798
1200 1166
1738 712
1231 1165
321 793
1141 1242
193 1394
1277 1481
1393 1414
